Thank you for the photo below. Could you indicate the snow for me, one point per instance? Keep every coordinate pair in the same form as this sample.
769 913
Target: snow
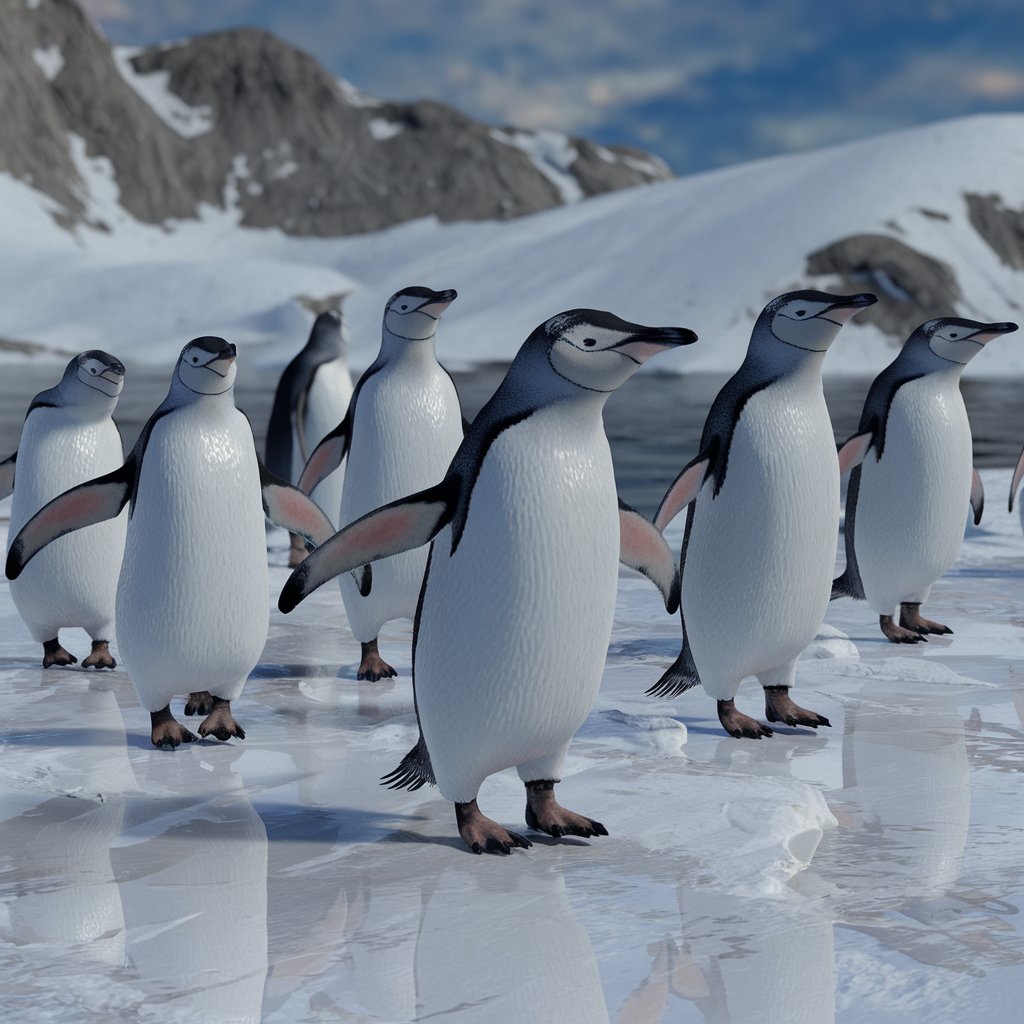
154 88
705 252
868 873
50 60
382 129
552 154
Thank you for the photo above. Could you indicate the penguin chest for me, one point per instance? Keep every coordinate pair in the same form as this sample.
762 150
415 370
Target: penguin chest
912 503
758 566
514 624
325 406
405 434
193 588
72 581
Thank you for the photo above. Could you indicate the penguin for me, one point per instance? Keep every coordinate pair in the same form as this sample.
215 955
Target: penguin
763 517
68 437
515 610
311 397
913 477
192 596
402 428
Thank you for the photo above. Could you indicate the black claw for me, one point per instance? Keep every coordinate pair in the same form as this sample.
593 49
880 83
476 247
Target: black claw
477 848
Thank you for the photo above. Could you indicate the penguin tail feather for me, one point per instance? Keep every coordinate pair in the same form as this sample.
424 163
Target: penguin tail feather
847 586
413 772
679 677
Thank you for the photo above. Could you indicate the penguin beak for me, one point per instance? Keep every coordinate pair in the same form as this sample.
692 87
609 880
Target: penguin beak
222 364
645 342
848 306
990 331
439 303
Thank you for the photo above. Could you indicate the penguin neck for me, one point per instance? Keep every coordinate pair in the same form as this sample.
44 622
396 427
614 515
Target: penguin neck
782 360
411 352
96 408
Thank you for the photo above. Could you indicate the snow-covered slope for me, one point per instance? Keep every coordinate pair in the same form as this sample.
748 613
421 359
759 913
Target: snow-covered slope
931 218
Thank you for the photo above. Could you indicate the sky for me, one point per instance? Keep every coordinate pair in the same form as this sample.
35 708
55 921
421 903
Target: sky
703 84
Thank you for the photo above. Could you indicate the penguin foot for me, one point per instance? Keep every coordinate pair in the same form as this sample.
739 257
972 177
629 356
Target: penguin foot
779 707
373 667
100 657
897 634
220 723
482 835
911 618
200 702
737 724
54 654
166 731
545 814
297 552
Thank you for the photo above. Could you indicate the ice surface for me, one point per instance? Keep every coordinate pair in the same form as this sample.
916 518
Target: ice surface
870 873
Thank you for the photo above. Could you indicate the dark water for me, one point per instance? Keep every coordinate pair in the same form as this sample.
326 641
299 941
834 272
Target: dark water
653 423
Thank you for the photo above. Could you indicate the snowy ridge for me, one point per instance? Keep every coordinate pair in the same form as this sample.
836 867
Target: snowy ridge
705 252
187 121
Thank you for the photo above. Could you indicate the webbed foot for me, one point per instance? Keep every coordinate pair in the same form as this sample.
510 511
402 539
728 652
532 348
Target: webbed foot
54 654
220 723
482 835
100 656
545 814
166 731
779 707
200 702
911 618
737 724
897 634
373 667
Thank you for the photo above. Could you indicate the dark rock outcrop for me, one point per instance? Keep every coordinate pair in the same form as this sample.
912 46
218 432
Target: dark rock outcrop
1001 227
262 125
911 287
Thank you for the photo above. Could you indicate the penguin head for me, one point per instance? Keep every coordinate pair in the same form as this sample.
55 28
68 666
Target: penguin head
95 374
810 320
207 366
326 337
599 351
413 313
959 341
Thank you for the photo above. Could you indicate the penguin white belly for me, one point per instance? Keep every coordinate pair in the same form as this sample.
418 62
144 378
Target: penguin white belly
912 504
758 569
192 602
514 627
326 404
394 454
73 580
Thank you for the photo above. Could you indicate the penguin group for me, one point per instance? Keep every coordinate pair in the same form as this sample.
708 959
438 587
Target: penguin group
501 537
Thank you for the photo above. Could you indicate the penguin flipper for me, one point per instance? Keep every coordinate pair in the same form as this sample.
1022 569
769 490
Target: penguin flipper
400 526
1017 474
327 456
679 677
88 503
643 548
287 506
683 490
7 476
852 453
977 496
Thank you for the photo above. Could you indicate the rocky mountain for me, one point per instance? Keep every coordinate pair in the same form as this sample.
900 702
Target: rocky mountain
242 118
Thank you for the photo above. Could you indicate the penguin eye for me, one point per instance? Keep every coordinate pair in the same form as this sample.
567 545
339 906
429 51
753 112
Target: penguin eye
801 312
195 359
590 342
92 370
954 335
404 306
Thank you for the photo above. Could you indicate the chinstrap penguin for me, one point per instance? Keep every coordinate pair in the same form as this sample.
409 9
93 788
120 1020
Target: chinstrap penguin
515 611
68 437
312 396
192 594
913 476
402 428
763 517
